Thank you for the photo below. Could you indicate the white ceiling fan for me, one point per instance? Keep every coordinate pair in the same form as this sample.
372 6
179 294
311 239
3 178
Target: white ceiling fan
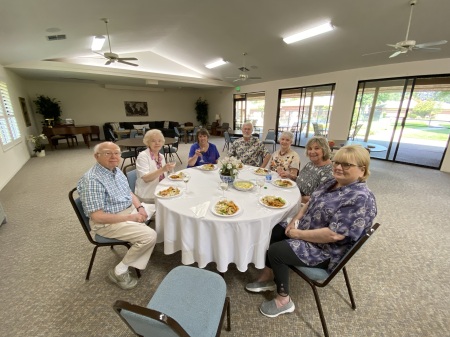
112 57
243 76
407 45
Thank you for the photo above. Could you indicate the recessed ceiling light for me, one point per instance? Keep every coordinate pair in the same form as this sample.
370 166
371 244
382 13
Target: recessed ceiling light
97 42
309 33
215 64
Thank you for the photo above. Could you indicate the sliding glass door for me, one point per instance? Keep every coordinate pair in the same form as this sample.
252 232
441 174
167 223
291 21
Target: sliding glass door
410 116
249 108
300 108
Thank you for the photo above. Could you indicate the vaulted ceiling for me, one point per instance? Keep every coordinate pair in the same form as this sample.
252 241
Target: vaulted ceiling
174 39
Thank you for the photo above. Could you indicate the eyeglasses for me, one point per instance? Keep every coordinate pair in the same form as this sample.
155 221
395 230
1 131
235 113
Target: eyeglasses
345 166
110 154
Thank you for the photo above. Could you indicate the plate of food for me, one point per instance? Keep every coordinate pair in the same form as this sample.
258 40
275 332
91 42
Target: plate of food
225 208
169 192
178 176
208 167
243 185
261 171
273 201
284 183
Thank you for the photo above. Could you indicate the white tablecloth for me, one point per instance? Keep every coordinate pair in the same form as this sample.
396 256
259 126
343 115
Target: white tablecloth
241 239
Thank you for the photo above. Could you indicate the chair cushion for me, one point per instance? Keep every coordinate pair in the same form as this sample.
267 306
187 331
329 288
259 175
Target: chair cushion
102 239
316 274
193 297
166 124
115 126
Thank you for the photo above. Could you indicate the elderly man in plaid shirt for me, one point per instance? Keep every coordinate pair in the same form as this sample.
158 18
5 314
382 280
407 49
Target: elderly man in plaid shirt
108 202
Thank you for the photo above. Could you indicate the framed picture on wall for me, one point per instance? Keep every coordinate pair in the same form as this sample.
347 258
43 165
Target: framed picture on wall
136 108
26 116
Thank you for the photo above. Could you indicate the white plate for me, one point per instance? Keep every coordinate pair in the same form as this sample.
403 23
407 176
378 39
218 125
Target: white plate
262 203
243 188
205 167
168 197
175 179
262 173
293 184
213 210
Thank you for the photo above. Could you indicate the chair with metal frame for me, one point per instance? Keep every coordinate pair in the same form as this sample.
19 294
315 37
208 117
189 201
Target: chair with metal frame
189 302
228 141
99 241
317 277
270 139
170 150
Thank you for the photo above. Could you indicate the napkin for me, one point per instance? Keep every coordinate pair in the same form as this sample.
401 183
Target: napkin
201 209
149 208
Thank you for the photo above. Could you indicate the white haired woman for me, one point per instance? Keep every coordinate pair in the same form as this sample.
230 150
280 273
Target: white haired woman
285 161
151 166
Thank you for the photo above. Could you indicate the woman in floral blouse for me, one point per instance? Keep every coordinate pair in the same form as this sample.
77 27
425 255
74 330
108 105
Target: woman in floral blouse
338 213
285 161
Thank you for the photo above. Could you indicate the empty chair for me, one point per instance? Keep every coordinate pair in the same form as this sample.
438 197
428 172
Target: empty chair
355 132
270 139
133 133
170 150
318 277
319 130
188 302
193 134
224 127
129 154
228 140
99 241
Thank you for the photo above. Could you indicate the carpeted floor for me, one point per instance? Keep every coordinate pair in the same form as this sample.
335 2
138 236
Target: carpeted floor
400 278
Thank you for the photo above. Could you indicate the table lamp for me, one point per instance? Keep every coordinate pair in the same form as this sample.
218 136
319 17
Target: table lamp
218 118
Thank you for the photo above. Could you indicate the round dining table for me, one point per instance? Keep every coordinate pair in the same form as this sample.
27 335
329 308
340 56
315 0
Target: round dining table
189 223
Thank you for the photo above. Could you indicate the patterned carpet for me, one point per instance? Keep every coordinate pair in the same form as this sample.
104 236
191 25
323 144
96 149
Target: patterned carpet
400 278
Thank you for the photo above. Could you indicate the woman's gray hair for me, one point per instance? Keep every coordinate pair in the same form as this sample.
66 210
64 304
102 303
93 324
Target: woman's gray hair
152 134
323 143
287 134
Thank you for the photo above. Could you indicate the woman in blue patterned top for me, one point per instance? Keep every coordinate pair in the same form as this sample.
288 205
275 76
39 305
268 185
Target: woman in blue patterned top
338 213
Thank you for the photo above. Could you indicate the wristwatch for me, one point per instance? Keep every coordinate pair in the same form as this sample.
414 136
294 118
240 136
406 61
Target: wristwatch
137 208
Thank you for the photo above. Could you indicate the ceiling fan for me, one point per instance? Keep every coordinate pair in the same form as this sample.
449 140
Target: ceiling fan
112 57
243 75
407 45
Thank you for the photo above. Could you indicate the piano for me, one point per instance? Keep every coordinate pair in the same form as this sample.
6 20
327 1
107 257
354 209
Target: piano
87 131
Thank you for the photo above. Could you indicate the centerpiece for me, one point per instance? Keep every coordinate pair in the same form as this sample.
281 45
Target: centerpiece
39 148
228 169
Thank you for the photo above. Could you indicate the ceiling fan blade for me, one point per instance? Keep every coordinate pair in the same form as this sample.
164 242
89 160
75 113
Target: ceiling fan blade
395 54
127 58
129 63
430 44
254 78
108 62
378 52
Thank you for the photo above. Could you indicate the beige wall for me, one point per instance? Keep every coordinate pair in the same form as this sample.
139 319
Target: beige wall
93 104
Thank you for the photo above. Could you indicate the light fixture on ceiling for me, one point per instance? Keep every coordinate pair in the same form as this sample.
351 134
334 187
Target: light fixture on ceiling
215 64
97 42
326 27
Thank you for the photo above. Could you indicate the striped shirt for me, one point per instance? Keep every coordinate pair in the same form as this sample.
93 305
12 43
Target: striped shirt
102 189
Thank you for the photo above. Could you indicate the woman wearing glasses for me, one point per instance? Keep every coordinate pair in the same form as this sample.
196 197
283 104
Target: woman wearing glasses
338 213
151 166
317 170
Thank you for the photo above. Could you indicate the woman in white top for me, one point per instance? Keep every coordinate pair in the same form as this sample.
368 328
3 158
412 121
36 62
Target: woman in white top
285 161
151 166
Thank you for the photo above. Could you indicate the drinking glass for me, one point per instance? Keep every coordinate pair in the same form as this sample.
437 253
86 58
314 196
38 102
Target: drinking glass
224 187
201 157
172 164
186 179
260 182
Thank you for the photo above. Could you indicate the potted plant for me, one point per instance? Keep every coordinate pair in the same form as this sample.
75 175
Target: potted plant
39 148
228 169
48 107
201 107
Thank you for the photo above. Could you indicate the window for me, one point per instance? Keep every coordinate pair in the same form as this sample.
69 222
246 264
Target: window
300 108
249 108
9 131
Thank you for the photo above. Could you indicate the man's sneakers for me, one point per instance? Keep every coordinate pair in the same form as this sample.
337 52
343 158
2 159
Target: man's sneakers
124 281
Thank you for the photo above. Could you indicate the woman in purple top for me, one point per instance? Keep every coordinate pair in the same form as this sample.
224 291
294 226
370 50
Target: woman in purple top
203 152
338 213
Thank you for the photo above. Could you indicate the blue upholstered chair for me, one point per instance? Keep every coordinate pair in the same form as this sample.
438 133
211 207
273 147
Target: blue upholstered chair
130 173
270 139
99 241
189 302
318 277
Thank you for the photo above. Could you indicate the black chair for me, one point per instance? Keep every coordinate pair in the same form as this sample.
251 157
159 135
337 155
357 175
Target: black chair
317 277
270 139
228 140
189 302
99 241
170 150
